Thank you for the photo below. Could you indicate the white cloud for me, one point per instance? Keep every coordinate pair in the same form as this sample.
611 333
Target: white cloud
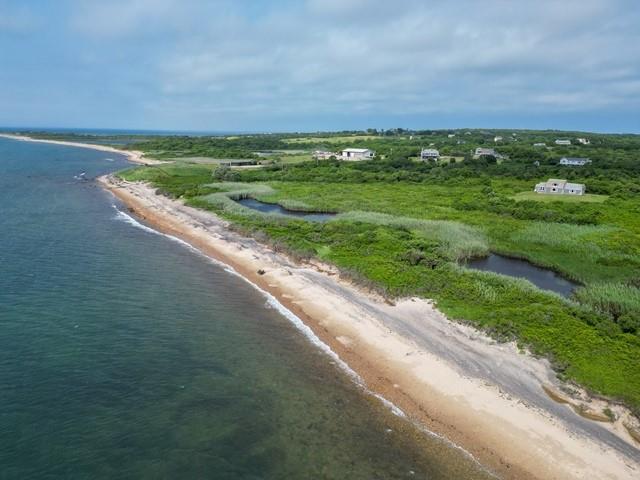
128 18
237 58
422 58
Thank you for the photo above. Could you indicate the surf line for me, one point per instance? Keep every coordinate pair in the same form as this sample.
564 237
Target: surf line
305 330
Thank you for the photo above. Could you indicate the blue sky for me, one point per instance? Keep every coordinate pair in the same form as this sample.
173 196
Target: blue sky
320 64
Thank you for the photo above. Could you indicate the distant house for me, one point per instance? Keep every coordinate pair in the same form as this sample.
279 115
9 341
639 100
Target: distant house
485 152
357 154
497 139
323 155
555 186
563 142
541 144
451 135
574 161
584 141
429 154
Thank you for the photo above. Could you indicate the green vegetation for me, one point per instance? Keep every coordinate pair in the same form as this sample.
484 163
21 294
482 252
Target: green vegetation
621 302
404 227
328 140
453 240
536 197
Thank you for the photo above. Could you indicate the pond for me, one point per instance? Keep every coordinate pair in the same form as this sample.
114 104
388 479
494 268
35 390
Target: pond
541 277
274 208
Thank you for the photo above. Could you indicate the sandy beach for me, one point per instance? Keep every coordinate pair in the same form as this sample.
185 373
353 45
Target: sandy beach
483 396
132 155
486 397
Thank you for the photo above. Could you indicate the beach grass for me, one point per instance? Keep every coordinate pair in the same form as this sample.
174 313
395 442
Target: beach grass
537 197
620 301
404 239
455 240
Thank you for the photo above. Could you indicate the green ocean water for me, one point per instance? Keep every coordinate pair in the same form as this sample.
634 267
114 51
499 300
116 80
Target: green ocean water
125 354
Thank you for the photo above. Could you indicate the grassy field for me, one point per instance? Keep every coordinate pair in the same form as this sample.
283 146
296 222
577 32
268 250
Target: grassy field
537 197
404 227
330 140
209 160
294 158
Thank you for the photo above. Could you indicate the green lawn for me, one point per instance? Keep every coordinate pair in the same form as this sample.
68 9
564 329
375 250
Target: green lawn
538 197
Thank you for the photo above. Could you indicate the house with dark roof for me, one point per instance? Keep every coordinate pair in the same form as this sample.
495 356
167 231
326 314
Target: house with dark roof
486 152
429 154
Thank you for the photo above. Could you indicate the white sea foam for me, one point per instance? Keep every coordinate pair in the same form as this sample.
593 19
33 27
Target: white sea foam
120 215
272 302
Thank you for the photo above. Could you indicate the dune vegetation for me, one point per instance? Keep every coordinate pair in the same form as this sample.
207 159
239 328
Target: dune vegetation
405 228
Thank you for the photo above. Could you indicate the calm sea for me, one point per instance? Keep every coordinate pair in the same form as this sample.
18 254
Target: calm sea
125 354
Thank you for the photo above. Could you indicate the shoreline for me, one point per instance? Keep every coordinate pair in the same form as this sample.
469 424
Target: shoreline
448 378
512 436
133 156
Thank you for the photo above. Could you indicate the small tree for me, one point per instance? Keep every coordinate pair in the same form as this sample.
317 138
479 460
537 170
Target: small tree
223 173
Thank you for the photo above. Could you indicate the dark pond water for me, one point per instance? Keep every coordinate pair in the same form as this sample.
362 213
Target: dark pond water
273 208
541 277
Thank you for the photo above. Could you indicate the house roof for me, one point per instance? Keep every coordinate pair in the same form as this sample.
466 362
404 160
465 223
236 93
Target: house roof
490 151
356 150
432 151
575 159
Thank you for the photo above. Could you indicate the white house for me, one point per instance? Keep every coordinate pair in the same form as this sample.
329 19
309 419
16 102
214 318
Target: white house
541 144
451 135
497 139
429 154
357 154
573 161
584 141
556 186
563 142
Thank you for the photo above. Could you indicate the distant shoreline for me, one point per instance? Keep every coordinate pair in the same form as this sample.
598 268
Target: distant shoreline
509 435
133 156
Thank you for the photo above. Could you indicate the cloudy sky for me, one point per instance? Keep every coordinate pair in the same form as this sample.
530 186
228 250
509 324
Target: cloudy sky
272 65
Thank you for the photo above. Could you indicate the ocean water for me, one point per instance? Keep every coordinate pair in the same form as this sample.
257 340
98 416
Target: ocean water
124 354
